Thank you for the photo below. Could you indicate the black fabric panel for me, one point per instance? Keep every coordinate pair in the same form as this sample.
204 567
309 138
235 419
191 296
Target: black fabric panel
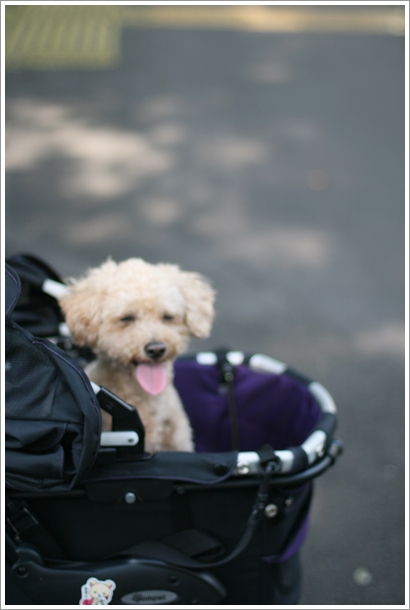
53 420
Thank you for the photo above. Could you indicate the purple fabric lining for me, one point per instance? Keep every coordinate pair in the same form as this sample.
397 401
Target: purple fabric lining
272 409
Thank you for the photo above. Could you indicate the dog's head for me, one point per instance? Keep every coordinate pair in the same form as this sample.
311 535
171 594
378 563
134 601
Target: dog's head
136 312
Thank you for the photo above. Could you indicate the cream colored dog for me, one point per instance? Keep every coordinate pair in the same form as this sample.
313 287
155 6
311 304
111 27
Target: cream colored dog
137 318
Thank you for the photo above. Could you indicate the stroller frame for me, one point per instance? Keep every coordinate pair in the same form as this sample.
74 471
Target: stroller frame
223 525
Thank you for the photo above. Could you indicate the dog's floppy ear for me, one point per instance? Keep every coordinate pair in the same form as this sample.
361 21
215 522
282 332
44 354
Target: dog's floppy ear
199 303
81 306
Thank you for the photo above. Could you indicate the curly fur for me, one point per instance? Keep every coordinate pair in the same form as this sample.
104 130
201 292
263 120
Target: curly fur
117 310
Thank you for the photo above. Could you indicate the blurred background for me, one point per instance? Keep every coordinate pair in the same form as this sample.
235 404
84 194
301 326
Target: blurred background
262 146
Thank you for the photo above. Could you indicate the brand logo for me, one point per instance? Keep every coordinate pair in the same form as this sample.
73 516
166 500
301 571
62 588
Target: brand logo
150 597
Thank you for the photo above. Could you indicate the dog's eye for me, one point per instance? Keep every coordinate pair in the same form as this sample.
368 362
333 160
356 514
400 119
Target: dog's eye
167 317
128 319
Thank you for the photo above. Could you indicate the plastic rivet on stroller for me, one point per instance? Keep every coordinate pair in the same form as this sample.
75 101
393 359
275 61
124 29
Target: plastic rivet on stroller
93 519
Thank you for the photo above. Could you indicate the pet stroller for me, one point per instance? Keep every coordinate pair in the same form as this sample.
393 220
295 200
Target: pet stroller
92 519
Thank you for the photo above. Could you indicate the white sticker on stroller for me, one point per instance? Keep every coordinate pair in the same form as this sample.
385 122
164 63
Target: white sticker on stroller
97 592
150 597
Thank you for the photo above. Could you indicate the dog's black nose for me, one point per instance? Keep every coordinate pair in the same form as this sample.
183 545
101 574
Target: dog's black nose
155 350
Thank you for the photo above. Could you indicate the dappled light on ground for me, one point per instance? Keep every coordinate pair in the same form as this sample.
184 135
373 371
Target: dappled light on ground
103 163
109 161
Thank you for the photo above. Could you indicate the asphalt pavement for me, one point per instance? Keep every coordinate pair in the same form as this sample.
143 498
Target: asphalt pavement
271 160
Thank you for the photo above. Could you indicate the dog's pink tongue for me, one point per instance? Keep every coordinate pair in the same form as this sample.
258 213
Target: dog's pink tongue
152 377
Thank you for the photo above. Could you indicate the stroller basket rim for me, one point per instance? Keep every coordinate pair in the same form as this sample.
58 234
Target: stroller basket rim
314 451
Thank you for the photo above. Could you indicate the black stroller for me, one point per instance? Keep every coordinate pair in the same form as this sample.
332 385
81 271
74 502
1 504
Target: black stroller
91 519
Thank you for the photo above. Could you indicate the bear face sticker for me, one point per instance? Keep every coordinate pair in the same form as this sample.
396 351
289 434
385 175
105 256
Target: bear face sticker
97 592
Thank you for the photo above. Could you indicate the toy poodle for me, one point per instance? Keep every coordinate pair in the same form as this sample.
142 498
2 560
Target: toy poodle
138 317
